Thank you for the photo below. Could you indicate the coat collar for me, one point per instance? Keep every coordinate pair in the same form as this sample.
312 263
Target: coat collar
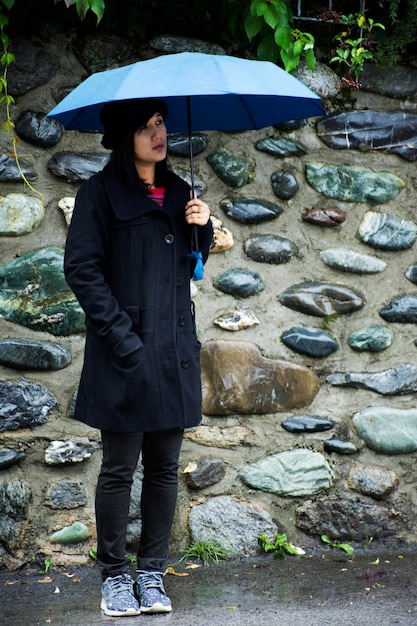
128 204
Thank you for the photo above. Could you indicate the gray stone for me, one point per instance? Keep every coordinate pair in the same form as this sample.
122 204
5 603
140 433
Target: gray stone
66 494
312 342
390 382
75 533
341 446
15 498
284 185
385 131
34 293
232 169
270 249
75 167
411 274
387 430
307 424
30 354
174 43
179 144
396 82
134 527
70 452
25 404
98 51
200 186
237 378
352 183
239 282
322 80
10 172
322 299
34 66
20 214
280 147
250 210
387 232
9 457
298 472
237 319
236 526
352 261
327 216
376 482
371 338
345 518
38 129
204 471
402 309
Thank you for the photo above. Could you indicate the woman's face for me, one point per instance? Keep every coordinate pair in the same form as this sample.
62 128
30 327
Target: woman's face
150 142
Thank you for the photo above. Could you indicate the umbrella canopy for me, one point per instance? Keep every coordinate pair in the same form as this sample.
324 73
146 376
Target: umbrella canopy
204 92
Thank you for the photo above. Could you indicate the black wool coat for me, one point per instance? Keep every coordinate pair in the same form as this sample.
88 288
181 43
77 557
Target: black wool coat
126 262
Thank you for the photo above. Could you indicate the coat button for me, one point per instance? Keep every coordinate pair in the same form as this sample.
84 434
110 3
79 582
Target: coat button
179 281
181 321
185 363
169 239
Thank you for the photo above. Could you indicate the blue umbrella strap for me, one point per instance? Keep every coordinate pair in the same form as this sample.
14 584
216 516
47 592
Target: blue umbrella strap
199 266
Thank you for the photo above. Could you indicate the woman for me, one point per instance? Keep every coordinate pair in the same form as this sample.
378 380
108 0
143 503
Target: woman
128 261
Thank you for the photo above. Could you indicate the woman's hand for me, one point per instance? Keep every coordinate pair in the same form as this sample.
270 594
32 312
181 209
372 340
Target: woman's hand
197 212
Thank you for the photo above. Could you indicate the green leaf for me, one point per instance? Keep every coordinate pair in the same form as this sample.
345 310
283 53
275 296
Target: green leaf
267 50
253 26
311 59
282 37
8 3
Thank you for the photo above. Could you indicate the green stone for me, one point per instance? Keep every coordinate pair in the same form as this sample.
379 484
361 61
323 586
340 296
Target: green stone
298 472
371 338
353 183
234 170
70 534
388 430
34 293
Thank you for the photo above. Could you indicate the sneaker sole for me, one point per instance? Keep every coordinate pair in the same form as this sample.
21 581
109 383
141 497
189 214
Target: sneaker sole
156 608
113 613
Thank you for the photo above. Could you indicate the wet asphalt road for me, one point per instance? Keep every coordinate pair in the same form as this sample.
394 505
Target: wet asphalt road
327 589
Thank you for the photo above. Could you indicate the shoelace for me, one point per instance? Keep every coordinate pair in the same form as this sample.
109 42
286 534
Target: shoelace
121 583
152 580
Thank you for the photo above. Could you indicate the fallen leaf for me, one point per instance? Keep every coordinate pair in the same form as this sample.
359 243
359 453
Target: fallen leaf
76 580
68 575
47 579
171 570
15 582
192 566
57 590
376 562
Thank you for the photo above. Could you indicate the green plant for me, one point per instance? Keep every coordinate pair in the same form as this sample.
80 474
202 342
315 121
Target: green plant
346 547
47 566
328 319
206 551
83 6
368 542
92 554
280 546
271 22
352 51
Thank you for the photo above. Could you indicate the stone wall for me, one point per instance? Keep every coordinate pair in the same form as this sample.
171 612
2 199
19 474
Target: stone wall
306 319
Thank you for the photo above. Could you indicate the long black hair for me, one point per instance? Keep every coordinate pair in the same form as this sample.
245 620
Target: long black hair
122 162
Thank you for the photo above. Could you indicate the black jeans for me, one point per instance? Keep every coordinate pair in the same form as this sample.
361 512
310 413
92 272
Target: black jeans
160 451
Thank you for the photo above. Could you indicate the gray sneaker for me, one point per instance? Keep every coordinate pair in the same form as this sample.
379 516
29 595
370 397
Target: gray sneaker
151 593
118 598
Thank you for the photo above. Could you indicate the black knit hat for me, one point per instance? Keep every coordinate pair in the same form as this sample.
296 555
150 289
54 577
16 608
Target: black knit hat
126 116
